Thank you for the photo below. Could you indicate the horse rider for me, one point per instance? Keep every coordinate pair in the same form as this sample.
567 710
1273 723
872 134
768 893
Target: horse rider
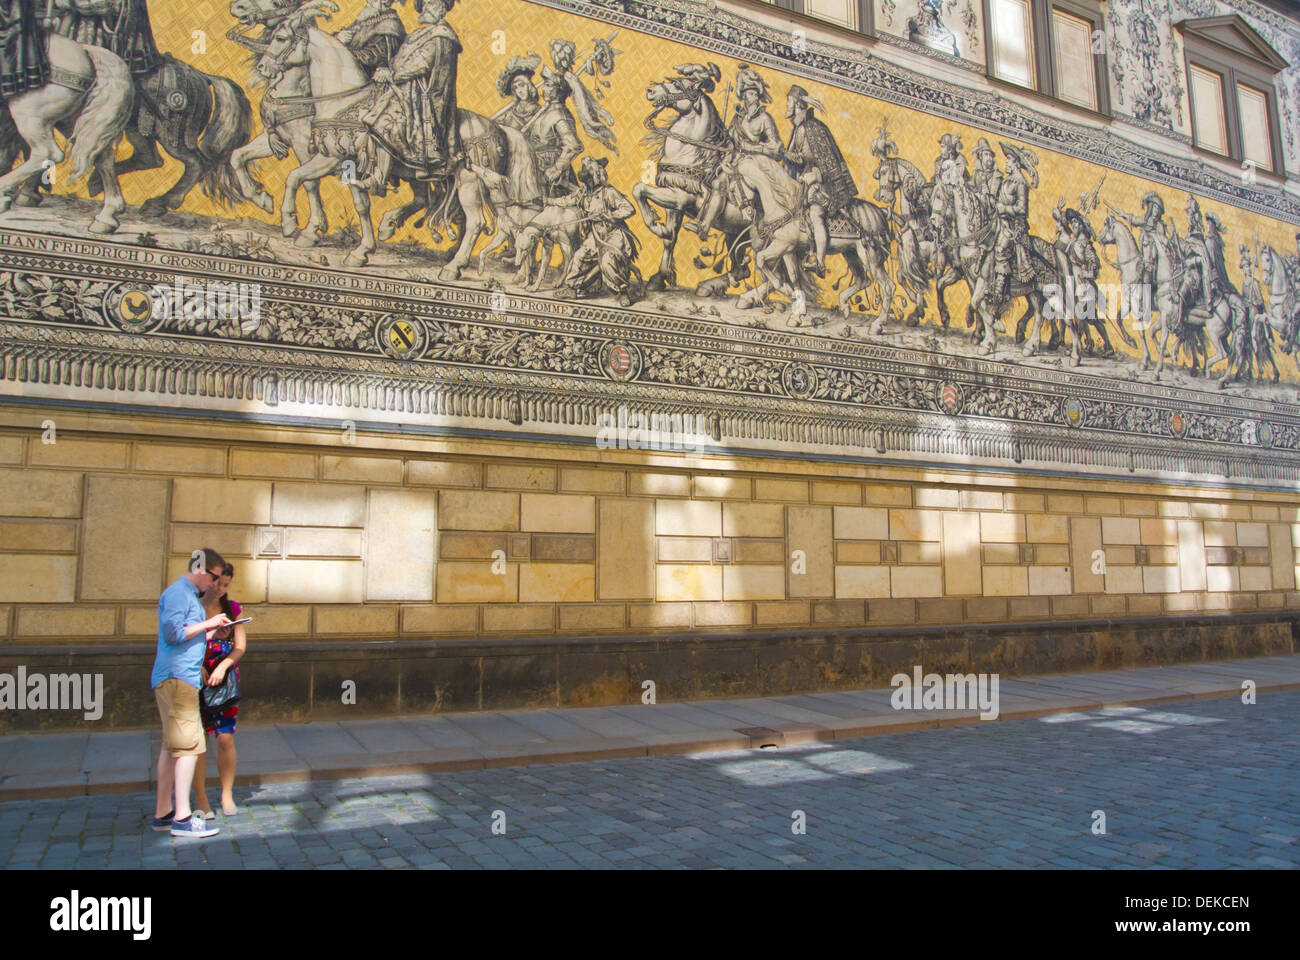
516 83
1199 271
609 248
121 27
554 136
752 130
1076 256
1151 229
815 157
415 110
374 36
987 179
1011 249
1250 332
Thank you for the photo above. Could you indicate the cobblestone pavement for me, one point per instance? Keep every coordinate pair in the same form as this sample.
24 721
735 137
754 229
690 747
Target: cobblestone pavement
1202 784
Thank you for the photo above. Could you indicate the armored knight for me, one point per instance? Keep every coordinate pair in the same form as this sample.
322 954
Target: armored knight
375 36
815 158
1199 272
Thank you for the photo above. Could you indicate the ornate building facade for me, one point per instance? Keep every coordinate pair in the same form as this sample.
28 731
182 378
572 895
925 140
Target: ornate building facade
561 344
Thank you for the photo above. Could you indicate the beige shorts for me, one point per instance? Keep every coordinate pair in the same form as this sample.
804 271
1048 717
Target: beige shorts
178 705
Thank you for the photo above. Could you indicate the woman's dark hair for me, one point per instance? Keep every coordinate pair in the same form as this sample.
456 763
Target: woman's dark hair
227 571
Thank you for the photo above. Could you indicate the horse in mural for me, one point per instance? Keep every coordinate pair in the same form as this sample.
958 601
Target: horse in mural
1128 263
922 259
688 152
340 92
782 234
90 103
1281 279
970 245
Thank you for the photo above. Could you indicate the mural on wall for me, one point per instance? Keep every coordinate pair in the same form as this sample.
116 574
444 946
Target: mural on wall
460 185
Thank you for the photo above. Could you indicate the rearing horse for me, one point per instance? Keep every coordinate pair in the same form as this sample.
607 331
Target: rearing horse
688 151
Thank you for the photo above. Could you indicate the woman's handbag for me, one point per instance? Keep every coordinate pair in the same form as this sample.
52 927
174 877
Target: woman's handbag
214 701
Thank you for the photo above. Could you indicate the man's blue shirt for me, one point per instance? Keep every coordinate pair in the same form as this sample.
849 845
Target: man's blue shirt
178 608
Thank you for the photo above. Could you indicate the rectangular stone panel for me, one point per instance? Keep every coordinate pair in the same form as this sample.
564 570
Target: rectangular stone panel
857 551
791 491
443 473
318 505
401 535
322 542
592 616
861 582
175 459
60 536
723 614
659 616
439 618
359 622
916 581
722 488
1049 581
269 463
477 510
205 500
625 549
39 493
538 618
659 485
92 454
124 545
37 578
1002 528
1281 556
56 623
557 513
557 582
229 540
810 532
758 551
961 554
753 582
315 581
470 546
362 469
1006 581
688 518
680 582
1047 528
685 550
574 480
915 525
1085 541
464 582
558 547
753 520
835 491
518 477
861 523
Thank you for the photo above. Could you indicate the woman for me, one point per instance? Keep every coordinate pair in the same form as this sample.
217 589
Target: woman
223 654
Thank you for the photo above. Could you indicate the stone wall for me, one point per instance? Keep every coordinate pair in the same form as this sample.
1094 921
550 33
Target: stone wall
397 538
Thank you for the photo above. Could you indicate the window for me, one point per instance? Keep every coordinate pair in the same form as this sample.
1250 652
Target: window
1230 71
1052 46
852 14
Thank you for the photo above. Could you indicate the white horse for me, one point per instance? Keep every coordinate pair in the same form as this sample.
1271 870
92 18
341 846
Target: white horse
94 89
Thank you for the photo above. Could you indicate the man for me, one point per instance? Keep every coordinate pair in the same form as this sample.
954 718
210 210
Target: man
815 158
752 130
597 122
516 83
416 113
121 26
1151 230
987 179
23 63
1199 272
177 675
375 36
949 149
553 136
1011 250
1251 338
607 253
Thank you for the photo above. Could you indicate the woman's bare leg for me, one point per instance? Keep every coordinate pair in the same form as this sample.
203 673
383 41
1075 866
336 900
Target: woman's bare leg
226 764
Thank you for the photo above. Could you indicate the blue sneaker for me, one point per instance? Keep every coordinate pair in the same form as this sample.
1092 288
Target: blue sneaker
193 827
164 823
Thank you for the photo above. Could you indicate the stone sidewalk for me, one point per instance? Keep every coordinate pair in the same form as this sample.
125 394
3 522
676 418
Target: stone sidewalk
78 764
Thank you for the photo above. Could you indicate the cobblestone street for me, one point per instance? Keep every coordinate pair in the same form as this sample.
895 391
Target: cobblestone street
1201 784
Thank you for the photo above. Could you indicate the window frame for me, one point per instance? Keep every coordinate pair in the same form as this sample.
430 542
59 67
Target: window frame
1043 36
866 28
1236 67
